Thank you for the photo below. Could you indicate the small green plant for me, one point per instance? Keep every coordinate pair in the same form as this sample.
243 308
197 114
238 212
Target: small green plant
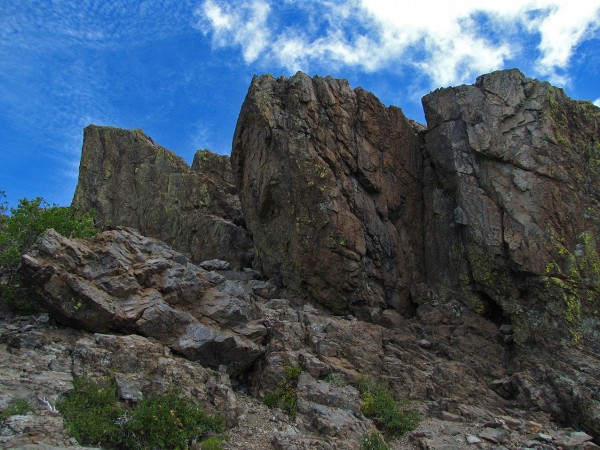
93 415
17 406
393 418
169 421
91 411
336 379
373 441
213 443
286 395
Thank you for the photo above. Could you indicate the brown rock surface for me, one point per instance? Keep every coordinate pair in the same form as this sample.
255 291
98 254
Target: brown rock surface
494 207
512 201
329 183
471 248
128 180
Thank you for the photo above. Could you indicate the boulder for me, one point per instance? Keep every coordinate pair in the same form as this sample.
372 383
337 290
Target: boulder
122 281
126 179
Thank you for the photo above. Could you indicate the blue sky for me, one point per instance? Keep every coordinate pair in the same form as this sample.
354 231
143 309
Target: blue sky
179 69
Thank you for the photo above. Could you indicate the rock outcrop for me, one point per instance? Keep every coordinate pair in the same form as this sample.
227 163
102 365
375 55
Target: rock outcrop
512 201
512 225
330 186
494 206
40 361
122 281
461 261
128 180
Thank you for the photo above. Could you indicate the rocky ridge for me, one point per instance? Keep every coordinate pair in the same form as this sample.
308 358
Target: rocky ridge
126 179
460 262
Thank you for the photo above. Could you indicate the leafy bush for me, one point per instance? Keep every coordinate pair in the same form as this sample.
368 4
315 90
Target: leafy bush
286 395
373 441
93 415
390 416
16 407
169 421
91 412
20 230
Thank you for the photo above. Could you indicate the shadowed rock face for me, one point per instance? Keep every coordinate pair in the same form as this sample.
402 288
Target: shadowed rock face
128 180
330 185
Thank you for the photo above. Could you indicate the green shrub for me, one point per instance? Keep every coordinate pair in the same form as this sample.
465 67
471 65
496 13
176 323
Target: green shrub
213 443
286 395
271 400
169 421
20 229
16 407
93 415
373 441
391 417
91 412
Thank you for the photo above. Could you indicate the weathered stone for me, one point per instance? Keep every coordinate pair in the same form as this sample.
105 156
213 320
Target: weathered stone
472 439
327 179
128 180
496 435
572 440
140 367
510 152
120 280
215 264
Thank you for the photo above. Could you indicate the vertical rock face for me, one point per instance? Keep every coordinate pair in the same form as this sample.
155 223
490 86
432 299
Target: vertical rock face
128 180
495 204
330 185
512 200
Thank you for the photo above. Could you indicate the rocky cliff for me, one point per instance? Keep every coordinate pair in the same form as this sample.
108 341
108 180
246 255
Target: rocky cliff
495 202
494 205
330 185
126 179
457 261
511 213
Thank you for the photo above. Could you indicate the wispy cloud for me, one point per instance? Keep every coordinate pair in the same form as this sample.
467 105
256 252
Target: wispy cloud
449 42
244 25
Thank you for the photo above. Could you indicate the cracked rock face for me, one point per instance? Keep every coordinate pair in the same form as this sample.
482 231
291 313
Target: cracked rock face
512 203
471 247
494 206
128 180
329 183
120 280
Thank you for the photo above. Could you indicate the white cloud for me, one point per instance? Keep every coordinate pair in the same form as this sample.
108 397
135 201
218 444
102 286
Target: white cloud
449 41
245 25
597 102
